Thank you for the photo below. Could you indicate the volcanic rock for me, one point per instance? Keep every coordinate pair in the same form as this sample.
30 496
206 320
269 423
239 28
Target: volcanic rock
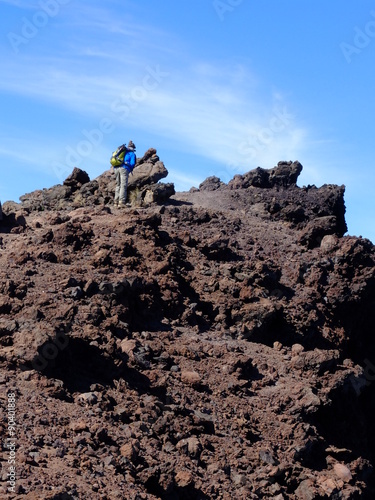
216 343
78 190
77 179
343 472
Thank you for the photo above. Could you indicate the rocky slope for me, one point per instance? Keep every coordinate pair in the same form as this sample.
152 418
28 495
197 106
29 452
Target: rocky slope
212 344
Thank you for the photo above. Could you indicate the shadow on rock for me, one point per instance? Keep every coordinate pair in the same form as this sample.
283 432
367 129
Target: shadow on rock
80 365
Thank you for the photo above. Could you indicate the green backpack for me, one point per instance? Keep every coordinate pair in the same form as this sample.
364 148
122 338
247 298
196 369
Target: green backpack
117 158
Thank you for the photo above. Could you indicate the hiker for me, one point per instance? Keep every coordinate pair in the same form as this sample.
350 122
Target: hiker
122 175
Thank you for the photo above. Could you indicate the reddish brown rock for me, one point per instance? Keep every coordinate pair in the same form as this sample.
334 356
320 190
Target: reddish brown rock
343 472
218 346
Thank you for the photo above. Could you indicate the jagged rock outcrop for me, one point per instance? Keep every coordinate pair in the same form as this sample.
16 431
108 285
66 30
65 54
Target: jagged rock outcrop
77 190
76 179
148 172
217 346
273 195
285 174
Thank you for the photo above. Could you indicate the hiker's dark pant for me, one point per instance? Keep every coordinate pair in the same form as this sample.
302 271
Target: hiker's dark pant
122 176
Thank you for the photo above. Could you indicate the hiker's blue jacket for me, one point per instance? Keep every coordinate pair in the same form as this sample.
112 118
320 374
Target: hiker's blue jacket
129 161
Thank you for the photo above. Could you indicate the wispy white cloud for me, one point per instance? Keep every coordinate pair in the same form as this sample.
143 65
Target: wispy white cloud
185 182
30 151
218 110
215 123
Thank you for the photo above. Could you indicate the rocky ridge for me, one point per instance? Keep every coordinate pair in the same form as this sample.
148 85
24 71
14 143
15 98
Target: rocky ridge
215 343
78 190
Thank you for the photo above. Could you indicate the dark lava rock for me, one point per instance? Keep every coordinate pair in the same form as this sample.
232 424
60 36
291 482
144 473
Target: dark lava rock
218 346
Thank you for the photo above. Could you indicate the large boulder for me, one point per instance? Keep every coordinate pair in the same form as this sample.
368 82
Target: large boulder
285 175
211 184
149 170
147 173
316 229
76 179
157 193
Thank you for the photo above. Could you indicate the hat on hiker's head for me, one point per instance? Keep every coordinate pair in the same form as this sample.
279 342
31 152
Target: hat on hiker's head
131 145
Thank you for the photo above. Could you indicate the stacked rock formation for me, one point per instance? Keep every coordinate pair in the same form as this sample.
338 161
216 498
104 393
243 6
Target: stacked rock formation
78 191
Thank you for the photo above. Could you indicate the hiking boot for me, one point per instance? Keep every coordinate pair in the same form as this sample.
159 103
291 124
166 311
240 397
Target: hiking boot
121 204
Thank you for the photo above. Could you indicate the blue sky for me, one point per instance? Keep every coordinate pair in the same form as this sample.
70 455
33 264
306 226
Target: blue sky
218 87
